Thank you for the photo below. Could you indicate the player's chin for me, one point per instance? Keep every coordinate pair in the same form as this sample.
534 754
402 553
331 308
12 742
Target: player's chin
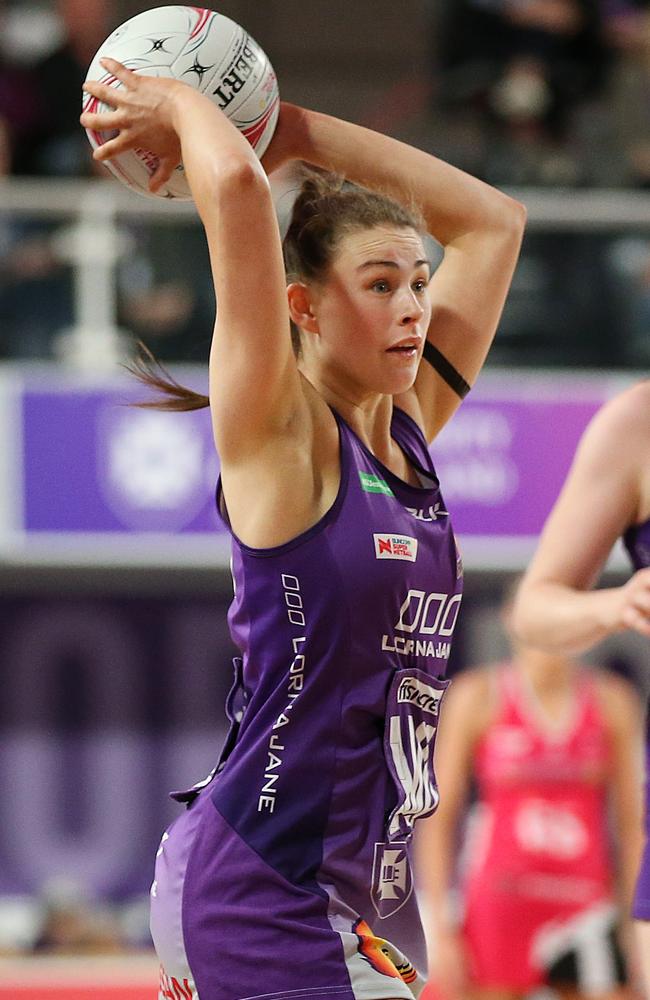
400 381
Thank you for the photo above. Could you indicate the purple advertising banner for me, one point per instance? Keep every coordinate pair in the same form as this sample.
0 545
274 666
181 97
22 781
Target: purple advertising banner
502 462
94 466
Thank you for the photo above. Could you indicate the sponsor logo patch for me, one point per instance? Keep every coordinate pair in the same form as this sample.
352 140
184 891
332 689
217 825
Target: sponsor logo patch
428 513
413 691
374 484
401 547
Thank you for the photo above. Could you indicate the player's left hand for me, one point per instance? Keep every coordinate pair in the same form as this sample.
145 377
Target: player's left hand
285 144
144 116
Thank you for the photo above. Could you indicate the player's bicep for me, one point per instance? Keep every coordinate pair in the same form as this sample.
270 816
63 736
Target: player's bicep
254 381
596 504
468 292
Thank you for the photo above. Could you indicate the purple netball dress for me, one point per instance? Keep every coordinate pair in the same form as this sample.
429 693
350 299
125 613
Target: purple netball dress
637 542
289 874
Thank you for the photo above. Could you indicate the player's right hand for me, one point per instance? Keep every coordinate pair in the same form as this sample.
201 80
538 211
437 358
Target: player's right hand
144 115
448 969
634 603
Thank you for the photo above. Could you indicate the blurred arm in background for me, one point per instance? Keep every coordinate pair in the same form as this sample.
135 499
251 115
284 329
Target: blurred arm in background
466 715
606 492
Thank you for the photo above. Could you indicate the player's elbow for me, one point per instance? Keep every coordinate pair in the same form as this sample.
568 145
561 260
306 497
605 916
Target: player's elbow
240 176
509 223
516 214
502 228
522 621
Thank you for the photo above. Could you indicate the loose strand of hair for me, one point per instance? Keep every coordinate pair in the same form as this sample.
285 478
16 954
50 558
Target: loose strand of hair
171 395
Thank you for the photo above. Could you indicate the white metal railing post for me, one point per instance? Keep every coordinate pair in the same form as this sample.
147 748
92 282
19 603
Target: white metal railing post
93 245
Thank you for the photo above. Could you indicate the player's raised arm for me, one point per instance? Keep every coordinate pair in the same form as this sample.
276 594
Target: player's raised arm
254 383
603 495
479 227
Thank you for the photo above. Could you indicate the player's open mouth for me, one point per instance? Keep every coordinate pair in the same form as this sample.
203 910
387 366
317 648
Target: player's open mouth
408 351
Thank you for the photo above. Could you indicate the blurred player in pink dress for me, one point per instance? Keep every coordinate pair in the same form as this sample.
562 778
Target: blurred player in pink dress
552 747
606 497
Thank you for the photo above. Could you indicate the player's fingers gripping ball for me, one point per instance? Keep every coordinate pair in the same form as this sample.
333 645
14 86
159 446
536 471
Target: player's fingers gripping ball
200 47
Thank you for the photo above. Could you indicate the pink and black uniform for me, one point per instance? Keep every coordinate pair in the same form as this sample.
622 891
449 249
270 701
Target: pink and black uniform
539 894
637 542
289 876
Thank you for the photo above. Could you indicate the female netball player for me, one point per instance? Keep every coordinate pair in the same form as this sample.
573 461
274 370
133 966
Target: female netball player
606 496
553 750
288 875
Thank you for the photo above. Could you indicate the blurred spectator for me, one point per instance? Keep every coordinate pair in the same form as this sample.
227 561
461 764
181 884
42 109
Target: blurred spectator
627 31
57 146
36 291
516 70
162 300
72 924
564 307
18 112
166 293
41 108
5 147
630 265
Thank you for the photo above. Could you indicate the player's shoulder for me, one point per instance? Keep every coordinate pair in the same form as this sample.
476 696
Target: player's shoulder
473 693
617 697
628 412
619 433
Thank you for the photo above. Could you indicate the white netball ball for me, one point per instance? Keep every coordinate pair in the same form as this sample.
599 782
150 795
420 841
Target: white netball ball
205 49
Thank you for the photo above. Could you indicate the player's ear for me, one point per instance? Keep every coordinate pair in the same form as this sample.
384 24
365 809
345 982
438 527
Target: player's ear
301 306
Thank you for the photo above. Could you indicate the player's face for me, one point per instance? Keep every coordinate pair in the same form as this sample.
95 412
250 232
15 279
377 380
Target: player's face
374 310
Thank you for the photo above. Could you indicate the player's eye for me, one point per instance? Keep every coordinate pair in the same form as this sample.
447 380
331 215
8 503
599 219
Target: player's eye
381 285
419 285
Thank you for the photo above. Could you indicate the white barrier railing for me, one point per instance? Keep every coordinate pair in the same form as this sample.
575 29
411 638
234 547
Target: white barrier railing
553 208
92 242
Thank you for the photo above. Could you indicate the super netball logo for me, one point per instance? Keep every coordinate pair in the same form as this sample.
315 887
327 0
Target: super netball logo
421 617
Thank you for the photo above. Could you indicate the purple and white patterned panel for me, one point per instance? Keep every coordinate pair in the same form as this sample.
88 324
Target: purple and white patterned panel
93 466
